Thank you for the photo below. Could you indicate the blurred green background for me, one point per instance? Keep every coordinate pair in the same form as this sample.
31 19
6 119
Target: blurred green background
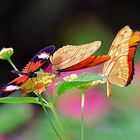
29 26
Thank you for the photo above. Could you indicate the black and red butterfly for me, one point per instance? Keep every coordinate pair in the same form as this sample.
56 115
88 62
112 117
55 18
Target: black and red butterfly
41 58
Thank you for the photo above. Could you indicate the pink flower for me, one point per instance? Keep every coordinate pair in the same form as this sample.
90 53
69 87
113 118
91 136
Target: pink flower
2 137
95 105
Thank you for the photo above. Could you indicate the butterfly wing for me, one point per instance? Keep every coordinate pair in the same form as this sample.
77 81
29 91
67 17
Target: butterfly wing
120 68
39 59
89 62
8 89
71 55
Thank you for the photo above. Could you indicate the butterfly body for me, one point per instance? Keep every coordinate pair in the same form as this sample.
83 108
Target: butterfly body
30 74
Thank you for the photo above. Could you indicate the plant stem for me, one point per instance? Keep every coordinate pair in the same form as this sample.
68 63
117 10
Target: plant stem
47 115
57 118
51 106
82 113
12 64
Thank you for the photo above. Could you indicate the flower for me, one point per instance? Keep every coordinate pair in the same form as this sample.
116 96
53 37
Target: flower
96 105
6 53
37 84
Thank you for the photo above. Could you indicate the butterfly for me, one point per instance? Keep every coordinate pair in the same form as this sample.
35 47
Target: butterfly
41 58
120 68
75 57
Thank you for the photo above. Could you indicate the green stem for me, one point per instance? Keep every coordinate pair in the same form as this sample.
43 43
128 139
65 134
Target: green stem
47 115
54 112
57 118
12 64
82 113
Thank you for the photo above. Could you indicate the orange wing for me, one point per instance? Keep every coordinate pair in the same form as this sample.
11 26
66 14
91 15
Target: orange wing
120 68
89 62
71 55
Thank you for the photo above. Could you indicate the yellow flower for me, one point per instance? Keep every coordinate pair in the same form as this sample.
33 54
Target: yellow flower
6 53
47 80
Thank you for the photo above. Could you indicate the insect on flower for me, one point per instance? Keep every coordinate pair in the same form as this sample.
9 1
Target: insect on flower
75 57
41 58
120 68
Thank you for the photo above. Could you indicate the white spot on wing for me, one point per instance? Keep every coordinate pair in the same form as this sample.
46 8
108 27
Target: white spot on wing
43 56
11 87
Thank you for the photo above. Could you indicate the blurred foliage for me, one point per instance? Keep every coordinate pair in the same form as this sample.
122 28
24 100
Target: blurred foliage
85 30
123 126
12 116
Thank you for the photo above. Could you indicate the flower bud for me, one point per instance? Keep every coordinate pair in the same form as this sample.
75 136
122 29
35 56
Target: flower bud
6 53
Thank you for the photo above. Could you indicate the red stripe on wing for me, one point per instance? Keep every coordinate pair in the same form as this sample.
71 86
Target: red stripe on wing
132 50
32 66
19 80
89 62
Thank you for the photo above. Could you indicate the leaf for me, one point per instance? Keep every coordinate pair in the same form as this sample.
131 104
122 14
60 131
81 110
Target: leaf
19 100
78 82
88 77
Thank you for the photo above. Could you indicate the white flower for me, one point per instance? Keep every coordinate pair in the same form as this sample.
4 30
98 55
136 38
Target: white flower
6 53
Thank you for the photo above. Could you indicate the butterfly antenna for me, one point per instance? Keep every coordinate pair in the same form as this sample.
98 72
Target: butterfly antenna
15 71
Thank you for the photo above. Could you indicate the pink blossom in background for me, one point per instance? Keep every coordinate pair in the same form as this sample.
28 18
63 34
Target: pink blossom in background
137 71
2 137
96 105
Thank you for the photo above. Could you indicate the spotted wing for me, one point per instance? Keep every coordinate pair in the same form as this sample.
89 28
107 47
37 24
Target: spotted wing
120 68
71 55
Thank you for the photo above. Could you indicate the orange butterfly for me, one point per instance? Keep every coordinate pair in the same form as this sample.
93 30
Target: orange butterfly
74 57
120 68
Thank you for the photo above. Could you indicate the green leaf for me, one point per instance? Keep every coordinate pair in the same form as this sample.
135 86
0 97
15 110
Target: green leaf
78 82
88 77
19 100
